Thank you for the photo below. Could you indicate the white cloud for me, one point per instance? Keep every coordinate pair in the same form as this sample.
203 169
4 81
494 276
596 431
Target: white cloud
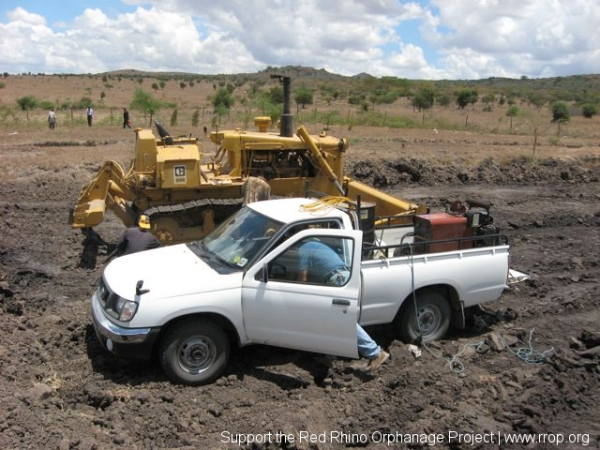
148 39
522 38
461 38
20 16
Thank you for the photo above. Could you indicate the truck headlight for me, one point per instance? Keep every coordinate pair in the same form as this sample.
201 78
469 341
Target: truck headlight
126 309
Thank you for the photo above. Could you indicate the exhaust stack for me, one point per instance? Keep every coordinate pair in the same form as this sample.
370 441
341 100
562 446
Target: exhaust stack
287 120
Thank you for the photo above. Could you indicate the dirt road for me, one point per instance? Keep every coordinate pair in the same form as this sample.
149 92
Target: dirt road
60 390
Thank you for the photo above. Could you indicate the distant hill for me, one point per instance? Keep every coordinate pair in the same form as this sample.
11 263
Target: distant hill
577 88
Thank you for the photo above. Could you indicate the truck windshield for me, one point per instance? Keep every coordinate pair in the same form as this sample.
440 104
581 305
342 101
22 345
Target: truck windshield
241 237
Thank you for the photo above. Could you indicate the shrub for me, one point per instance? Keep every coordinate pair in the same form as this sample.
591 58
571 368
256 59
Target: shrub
46 104
589 111
560 112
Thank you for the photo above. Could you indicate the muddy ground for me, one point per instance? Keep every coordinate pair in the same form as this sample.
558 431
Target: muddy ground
60 390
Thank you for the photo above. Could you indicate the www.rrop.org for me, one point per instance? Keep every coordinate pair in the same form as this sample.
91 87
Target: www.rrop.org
431 439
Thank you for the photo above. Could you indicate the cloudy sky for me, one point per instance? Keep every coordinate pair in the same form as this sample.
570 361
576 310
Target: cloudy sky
423 39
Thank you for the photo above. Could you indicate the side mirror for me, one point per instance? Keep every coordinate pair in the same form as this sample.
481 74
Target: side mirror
138 288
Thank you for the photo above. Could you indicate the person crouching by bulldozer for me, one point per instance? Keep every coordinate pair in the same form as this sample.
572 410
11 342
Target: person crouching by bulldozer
136 239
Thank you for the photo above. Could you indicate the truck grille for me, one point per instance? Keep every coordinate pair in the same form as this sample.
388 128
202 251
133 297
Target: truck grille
107 298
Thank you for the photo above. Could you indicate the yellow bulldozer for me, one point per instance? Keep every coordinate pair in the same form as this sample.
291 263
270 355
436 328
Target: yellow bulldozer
187 193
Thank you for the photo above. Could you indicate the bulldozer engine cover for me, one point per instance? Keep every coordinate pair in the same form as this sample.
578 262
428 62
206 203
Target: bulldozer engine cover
178 173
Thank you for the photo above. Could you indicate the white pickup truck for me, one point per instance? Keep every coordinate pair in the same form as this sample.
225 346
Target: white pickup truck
241 285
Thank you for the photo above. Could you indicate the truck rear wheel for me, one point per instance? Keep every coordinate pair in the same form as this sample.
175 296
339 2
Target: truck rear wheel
434 317
194 352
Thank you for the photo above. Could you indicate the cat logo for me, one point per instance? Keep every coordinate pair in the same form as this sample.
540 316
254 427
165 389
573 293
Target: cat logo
179 175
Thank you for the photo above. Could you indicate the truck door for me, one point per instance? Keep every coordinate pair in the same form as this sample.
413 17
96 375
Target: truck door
314 309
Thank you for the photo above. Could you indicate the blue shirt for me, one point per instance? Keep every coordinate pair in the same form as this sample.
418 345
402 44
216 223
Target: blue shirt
319 260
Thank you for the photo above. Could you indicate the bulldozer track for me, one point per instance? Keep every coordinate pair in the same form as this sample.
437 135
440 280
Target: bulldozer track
190 220
194 204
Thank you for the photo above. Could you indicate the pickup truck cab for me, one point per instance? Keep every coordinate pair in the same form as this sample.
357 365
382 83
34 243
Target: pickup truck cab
242 284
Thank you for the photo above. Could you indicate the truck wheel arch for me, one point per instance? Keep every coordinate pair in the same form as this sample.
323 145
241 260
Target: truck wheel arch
217 319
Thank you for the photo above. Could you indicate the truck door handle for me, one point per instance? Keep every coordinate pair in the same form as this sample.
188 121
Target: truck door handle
339 301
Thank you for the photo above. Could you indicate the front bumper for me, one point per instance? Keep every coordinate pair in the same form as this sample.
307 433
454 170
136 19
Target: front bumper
134 343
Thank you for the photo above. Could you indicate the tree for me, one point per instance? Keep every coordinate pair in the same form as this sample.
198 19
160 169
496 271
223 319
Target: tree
424 99
589 111
488 99
196 118
303 96
513 111
222 100
465 97
536 100
155 87
46 104
162 84
538 125
560 114
276 95
220 111
27 103
143 101
443 100
83 102
330 93
174 117
356 98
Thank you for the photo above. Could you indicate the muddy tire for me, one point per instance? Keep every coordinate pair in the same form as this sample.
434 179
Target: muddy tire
194 352
434 313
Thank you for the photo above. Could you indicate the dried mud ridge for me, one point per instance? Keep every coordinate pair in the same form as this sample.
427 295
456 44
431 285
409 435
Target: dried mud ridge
60 390
88 143
387 173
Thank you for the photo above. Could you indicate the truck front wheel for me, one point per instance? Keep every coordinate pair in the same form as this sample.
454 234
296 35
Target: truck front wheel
434 315
194 352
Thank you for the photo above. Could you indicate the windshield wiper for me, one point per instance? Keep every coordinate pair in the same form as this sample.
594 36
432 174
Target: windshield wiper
200 250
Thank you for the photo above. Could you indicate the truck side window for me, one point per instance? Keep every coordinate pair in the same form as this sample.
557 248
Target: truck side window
325 261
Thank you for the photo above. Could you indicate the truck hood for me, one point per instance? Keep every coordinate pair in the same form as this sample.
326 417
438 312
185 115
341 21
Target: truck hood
166 272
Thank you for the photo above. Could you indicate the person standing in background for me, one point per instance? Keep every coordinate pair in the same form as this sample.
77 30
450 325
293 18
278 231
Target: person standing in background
90 115
51 119
126 123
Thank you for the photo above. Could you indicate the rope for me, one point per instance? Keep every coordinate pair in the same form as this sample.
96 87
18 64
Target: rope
456 365
324 203
528 354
